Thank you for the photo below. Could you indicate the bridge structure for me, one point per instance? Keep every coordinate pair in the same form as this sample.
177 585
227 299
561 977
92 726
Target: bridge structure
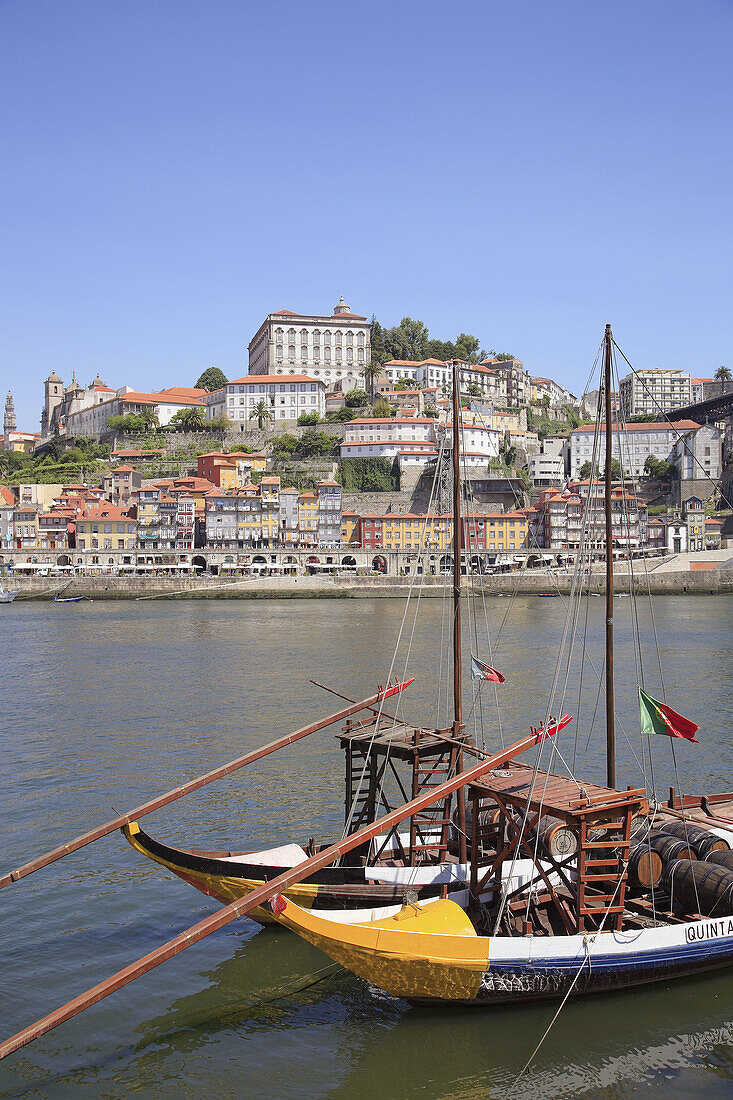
703 412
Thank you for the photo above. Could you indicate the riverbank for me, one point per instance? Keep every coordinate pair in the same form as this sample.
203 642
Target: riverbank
693 582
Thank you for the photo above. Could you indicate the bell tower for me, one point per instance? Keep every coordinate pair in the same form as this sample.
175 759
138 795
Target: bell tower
9 423
53 396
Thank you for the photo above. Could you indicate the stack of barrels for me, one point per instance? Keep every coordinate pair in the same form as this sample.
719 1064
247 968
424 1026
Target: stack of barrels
698 868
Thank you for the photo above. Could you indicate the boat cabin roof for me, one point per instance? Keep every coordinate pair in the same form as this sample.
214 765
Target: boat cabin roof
555 795
395 739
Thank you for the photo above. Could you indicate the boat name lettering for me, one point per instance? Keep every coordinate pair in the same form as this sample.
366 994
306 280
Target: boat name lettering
711 930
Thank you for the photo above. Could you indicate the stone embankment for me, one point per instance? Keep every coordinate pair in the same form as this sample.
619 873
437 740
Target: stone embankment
707 582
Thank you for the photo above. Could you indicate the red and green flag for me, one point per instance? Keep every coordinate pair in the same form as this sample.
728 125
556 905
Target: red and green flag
657 717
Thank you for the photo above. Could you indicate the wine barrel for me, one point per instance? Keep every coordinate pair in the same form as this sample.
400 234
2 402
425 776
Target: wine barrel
488 814
700 840
669 847
645 867
723 859
700 887
556 837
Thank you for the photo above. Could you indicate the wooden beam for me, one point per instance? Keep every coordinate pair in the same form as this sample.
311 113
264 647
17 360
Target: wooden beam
192 785
262 894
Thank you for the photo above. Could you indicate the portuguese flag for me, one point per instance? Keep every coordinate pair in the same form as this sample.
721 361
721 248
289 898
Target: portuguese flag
657 717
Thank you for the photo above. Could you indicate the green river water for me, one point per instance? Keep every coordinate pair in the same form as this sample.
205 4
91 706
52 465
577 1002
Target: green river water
106 704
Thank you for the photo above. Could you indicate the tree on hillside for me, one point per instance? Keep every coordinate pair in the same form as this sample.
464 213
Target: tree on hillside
212 379
372 371
376 341
504 356
408 340
355 399
723 374
380 409
467 347
585 470
261 413
188 420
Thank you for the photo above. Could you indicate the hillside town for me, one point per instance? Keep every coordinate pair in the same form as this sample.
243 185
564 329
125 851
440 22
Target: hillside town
328 456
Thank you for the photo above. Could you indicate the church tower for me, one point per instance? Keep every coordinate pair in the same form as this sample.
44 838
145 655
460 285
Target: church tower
9 423
54 395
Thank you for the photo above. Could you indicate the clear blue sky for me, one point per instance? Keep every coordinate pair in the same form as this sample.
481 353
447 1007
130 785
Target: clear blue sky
173 170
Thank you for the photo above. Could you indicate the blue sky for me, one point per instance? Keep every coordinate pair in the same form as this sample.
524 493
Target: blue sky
174 170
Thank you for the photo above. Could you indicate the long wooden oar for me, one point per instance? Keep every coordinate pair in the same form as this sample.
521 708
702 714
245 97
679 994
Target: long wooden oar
262 894
193 785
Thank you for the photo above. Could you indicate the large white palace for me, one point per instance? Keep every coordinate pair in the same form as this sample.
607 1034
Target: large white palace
331 349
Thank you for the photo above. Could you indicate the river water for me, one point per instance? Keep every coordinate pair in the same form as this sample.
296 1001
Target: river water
106 704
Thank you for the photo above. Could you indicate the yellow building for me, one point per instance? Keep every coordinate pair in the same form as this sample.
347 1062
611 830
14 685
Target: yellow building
249 516
411 531
350 529
105 527
506 531
270 496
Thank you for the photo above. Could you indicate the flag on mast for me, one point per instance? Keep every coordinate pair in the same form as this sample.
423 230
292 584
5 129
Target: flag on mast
657 717
481 671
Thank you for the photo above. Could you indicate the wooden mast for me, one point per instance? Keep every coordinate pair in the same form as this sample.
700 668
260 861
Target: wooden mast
610 732
457 656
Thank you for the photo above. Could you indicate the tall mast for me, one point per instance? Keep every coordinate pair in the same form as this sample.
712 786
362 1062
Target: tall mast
457 544
457 662
610 733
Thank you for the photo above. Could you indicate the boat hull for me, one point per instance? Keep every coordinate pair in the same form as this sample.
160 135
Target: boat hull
409 959
228 876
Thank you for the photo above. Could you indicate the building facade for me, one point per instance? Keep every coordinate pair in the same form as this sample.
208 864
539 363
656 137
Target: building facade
632 444
331 349
652 391
270 397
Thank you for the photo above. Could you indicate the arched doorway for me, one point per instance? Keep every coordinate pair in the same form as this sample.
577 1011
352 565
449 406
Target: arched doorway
349 560
64 559
312 564
199 562
379 564
446 563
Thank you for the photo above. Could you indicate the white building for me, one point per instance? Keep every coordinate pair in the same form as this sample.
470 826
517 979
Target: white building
632 445
546 469
91 422
437 374
547 387
286 399
655 390
333 350
415 440
60 402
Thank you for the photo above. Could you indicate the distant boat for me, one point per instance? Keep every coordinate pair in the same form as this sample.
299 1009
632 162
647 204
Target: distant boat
70 599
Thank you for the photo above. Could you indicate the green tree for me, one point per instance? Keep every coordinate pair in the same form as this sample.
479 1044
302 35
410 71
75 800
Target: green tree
188 420
308 419
474 390
723 374
340 416
261 413
430 410
408 340
467 347
380 408
356 399
212 379
376 341
372 372
504 356
586 469
284 444
317 443
442 349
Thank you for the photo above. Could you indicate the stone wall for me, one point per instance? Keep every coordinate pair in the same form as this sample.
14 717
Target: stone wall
708 582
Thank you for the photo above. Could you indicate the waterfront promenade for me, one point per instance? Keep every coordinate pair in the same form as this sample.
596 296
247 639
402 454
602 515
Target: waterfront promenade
717 578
